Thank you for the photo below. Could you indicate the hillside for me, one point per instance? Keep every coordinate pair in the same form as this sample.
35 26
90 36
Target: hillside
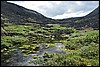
18 14
90 20
93 13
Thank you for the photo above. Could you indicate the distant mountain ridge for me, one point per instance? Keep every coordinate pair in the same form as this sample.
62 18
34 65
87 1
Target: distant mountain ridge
90 20
18 14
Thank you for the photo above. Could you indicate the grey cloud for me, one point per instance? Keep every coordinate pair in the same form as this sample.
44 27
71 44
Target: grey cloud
64 6
56 10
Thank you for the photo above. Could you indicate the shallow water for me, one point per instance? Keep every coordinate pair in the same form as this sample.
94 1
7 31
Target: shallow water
18 59
56 49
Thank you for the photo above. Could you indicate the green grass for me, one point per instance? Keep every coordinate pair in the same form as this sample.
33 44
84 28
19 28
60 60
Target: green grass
81 46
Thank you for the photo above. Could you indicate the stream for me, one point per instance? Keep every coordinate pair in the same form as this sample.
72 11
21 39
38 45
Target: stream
18 59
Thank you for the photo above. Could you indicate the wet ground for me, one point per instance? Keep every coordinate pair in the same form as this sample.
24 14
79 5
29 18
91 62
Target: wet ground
18 59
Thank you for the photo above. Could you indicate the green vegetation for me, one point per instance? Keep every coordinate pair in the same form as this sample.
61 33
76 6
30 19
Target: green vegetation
29 37
82 50
50 45
35 57
81 46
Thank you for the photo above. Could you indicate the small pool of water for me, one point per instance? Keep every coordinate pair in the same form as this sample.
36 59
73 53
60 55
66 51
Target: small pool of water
17 58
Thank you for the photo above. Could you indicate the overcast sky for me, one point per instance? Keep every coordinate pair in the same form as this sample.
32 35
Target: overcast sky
60 9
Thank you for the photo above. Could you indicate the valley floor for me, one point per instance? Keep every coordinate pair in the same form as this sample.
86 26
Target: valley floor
31 44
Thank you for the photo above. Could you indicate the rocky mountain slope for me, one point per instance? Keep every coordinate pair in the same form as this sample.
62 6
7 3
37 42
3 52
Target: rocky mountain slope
90 20
19 14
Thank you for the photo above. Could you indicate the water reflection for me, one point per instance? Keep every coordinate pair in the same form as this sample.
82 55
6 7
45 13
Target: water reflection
17 58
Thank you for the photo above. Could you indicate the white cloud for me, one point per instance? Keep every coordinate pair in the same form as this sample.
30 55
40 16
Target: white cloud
79 3
67 15
60 9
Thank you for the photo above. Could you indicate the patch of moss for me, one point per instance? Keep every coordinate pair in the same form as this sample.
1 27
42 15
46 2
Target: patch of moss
50 45
35 57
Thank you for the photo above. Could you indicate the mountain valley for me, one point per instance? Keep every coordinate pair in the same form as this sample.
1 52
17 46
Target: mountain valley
28 38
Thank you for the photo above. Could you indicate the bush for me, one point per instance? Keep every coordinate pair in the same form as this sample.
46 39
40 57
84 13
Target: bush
71 59
89 52
18 40
92 37
75 43
5 41
80 41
